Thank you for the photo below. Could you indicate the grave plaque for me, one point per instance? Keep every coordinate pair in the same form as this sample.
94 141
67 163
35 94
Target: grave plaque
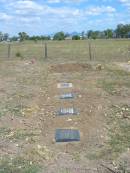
64 85
67 96
67 135
67 111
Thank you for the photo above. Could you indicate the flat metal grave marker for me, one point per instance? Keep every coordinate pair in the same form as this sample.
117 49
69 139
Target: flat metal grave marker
67 96
64 85
67 111
67 135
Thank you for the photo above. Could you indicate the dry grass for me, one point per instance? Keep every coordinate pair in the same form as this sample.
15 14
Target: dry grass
102 50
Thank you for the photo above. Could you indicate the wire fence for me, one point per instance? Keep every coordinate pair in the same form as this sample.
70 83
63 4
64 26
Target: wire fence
83 50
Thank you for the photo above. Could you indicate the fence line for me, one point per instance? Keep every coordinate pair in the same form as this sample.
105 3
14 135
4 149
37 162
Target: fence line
98 50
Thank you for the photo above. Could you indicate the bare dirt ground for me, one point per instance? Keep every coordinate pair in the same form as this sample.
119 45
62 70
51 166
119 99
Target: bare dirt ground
125 66
70 67
29 100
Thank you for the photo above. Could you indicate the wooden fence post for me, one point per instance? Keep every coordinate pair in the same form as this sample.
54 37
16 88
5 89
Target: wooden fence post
46 51
9 50
90 50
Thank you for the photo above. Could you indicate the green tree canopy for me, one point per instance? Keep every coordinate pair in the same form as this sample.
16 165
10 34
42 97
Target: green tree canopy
76 37
59 36
93 34
23 36
122 31
108 33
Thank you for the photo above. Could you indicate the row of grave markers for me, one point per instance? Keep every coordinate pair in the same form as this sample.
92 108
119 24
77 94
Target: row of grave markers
67 135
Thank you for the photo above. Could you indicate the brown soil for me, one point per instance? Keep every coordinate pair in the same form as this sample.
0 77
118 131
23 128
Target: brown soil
124 66
74 67
35 86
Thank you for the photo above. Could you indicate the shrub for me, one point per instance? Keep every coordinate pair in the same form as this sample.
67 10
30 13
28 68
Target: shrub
18 54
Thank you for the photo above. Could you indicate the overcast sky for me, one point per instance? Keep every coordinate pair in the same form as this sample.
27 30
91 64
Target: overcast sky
49 16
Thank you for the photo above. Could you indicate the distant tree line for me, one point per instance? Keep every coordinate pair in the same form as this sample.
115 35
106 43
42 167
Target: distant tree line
121 31
24 36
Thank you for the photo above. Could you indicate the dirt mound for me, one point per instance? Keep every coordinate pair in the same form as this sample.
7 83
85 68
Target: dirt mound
73 67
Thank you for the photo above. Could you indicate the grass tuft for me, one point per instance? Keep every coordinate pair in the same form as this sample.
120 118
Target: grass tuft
18 164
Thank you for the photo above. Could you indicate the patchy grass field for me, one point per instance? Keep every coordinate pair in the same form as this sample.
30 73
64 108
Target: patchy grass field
29 102
63 51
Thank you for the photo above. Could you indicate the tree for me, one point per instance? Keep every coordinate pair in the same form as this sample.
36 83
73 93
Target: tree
93 34
122 30
59 36
76 37
23 36
36 38
108 33
45 37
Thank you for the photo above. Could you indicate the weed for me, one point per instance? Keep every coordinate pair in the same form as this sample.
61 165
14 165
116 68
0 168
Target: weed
123 167
116 80
16 110
76 156
19 55
117 72
118 134
4 131
21 134
18 164
120 129
108 86
120 137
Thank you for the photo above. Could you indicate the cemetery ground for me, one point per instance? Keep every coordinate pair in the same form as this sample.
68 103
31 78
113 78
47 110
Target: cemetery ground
29 101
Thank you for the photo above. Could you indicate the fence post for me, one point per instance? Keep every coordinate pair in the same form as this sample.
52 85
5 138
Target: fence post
9 50
45 50
90 50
